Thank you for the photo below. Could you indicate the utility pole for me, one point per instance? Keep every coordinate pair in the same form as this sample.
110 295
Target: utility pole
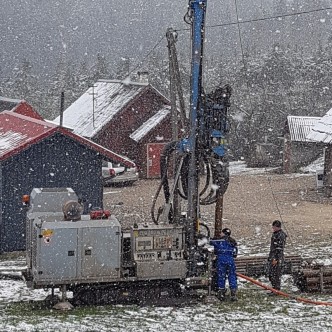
174 114
176 85
174 111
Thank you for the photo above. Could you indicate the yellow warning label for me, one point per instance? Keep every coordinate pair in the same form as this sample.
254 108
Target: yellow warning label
47 232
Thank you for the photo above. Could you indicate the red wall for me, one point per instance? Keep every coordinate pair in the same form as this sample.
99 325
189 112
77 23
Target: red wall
138 111
24 108
162 130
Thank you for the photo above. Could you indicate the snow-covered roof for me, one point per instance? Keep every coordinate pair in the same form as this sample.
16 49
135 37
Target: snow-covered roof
7 104
98 105
57 123
11 100
322 131
300 126
147 126
17 132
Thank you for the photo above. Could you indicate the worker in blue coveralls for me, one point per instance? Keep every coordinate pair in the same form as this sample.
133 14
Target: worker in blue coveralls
225 248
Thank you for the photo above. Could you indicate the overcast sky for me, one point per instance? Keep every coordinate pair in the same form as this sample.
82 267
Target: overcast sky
42 30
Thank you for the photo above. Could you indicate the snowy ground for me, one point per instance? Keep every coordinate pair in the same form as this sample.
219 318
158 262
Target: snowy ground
239 167
21 309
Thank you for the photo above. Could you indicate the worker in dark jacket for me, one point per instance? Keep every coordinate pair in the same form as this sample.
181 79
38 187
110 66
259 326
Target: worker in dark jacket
276 256
225 248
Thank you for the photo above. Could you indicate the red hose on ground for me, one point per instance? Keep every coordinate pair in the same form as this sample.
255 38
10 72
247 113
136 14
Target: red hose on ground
278 292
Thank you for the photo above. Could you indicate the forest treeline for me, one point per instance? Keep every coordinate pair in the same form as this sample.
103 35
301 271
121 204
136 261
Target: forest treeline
265 89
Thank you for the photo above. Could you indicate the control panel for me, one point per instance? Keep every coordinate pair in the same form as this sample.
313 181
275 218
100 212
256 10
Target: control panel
157 242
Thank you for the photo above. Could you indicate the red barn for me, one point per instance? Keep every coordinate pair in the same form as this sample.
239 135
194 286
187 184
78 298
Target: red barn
130 118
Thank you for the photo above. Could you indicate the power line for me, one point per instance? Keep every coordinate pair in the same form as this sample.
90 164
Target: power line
250 102
147 55
262 19
271 17
238 22
229 24
243 57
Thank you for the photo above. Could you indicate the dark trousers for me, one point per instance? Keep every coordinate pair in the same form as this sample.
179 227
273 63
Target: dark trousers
275 273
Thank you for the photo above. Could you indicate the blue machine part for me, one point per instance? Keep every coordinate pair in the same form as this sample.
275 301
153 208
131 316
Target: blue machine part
198 9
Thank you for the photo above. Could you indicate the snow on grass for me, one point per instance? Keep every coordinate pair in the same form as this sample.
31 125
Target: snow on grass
21 309
318 164
250 313
240 167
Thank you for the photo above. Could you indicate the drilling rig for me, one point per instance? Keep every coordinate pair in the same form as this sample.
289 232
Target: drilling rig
98 260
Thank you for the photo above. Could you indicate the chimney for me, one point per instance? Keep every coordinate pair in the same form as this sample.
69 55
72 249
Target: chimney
143 76
62 106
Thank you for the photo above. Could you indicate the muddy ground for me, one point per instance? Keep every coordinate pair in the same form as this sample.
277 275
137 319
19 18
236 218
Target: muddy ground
251 203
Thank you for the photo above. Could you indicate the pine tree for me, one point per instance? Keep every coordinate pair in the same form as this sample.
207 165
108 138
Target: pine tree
100 69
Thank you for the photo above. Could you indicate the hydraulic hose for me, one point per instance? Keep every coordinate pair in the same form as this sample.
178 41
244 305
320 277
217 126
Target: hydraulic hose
210 179
164 160
278 292
154 219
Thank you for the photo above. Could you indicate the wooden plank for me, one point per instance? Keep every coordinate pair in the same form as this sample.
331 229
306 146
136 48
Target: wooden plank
255 265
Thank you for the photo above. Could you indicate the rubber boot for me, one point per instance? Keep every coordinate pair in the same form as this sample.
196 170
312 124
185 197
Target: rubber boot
233 295
221 294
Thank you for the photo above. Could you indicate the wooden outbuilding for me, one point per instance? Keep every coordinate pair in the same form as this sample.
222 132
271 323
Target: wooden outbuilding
321 133
35 153
299 150
129 118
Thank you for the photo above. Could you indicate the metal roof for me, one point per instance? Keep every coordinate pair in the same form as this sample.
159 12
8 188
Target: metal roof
300 126
18 132
151 123
98 105
18 106
322 131
7 104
